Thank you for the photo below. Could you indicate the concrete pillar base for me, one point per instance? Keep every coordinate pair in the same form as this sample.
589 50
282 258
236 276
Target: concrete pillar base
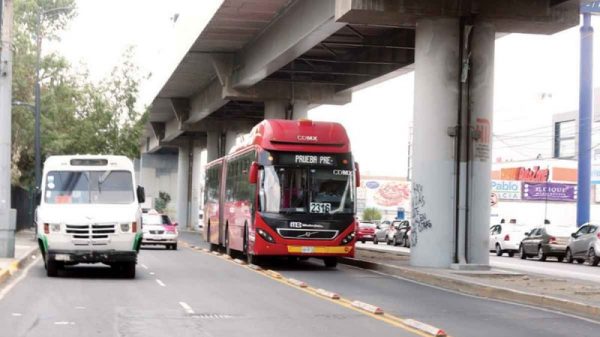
470 267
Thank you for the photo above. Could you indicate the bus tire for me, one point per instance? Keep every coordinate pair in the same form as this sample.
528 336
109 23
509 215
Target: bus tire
228 249
330 262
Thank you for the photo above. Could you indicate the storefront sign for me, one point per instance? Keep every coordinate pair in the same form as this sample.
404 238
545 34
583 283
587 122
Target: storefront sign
525 174
595 174
549 191
506 189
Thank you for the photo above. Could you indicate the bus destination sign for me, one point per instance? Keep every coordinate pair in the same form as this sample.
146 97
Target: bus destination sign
306 159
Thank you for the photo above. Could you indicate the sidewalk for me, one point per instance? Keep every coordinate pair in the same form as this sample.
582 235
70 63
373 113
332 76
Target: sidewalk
570 296
25 249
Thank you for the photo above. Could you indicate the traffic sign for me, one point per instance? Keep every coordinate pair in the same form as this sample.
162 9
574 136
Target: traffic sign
592 7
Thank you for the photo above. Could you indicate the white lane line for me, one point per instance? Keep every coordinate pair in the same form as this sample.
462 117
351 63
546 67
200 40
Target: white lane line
144 266
151 273
187 308
160 283
64 323
17 314
80 308
10 285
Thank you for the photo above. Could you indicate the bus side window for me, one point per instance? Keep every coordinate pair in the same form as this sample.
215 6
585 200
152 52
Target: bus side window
261 189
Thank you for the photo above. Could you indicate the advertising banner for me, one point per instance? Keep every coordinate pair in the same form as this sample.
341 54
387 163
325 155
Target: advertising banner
385 194
549 191
506 189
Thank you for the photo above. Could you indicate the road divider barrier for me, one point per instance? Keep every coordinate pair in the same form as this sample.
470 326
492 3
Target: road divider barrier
238 261
273 274
216 253
426 328
368 307
328 294
297 283
254 267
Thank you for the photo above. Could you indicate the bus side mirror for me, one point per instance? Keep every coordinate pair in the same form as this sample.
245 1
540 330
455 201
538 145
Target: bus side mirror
357 174
253 173
141 194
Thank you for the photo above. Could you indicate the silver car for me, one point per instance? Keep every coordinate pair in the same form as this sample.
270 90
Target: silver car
585 245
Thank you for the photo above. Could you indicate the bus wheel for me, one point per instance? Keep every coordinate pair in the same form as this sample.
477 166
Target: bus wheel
228 249
330 262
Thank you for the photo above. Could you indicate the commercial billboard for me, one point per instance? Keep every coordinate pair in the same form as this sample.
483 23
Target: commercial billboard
549 191
506 189
384 194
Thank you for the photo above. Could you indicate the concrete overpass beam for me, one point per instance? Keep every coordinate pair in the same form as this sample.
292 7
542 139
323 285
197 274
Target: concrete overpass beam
300 109
275 109
206 102
302 26
213 141
525 16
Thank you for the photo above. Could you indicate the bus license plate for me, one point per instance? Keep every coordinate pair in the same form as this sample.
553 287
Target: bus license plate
62 257
320 207
307 250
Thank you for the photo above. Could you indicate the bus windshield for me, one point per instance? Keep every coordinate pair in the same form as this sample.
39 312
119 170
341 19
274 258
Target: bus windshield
89 187
306 190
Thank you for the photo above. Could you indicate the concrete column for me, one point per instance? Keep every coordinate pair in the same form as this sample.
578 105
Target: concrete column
183 174
212 145
275 109
435 110
230 140
197 181
300 110
481 92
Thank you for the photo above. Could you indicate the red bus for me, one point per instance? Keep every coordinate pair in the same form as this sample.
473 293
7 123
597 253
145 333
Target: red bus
289 190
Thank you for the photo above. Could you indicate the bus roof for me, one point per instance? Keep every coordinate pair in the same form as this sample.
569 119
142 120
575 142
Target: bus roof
88 161
299 136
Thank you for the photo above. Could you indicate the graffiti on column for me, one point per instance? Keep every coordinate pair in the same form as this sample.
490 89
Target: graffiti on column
420 221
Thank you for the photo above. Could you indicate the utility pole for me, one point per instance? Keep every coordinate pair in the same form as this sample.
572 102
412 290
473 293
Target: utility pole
584 165
7 232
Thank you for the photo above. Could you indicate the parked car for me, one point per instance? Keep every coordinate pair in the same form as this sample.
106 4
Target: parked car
506 238
366 231
381 232
398 234
157 229
585 245
545 241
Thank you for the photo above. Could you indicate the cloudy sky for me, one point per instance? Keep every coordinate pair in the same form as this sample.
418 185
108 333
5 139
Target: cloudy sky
535 77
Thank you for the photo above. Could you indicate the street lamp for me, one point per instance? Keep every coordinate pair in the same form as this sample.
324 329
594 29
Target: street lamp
37 106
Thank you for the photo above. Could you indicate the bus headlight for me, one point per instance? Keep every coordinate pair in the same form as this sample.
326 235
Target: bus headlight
55 227
125 227
263 234
348 238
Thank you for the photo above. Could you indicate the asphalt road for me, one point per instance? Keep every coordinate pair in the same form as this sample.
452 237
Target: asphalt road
550 267
190 293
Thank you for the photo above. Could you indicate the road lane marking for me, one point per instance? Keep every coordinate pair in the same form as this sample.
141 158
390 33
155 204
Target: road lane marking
186 307
12 284
80 308
17 314
64 323
151 273
160 283
144 266
386 318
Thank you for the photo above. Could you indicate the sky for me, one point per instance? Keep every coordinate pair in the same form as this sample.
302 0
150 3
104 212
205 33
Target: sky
535 77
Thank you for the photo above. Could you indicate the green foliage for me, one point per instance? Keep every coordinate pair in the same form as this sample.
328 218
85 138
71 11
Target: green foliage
370 214
78 116
162 202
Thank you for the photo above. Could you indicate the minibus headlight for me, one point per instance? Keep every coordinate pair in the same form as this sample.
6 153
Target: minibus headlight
125 227
55 227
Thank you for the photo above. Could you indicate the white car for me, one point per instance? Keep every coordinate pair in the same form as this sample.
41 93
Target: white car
506 238
159 230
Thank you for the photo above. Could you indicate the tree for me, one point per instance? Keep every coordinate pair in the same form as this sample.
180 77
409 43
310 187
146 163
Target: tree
161 203
78 116
370 214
